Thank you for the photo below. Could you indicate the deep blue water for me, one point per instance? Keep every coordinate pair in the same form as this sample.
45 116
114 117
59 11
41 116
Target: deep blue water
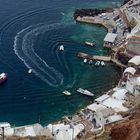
30 35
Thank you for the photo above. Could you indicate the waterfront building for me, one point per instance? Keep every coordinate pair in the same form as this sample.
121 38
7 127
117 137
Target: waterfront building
133 85
28 130
110 39
8 130
135 62
107 109
22 131
63 131
132 47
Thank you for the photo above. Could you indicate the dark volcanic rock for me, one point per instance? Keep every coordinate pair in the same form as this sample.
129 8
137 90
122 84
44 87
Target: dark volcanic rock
125 1
90 12
129 130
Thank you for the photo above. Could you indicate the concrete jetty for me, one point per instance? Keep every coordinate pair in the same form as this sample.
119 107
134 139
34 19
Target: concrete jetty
101 58
94 57
94 20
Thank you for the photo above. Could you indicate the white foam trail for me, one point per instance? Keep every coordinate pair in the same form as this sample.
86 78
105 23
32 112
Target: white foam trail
23 47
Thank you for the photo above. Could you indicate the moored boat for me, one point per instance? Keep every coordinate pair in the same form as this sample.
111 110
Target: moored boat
85 92
90 43
102 63
97 63
85 60
3 77
66 92
90 62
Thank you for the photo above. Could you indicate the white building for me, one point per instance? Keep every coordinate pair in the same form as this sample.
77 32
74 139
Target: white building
134 62
65 132
109 39
133 85
129 72
8 131
28 130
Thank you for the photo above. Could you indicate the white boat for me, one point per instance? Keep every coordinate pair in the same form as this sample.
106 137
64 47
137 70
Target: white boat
85 60
30 71
85 92
61 48
97 63
102 63
90 62
66 92
62 13
90 43
3 77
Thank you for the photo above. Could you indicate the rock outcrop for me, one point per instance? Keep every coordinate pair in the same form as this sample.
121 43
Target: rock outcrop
90 12
129 130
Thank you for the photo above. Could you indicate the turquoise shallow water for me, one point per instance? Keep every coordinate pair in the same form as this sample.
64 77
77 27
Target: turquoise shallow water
30 35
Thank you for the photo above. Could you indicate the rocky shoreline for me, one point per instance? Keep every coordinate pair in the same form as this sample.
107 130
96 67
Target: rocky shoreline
91 12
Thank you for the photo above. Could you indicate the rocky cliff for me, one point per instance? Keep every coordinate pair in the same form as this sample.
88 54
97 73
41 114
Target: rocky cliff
129 130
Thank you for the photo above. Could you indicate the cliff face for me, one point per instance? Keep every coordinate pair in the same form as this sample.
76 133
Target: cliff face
129 130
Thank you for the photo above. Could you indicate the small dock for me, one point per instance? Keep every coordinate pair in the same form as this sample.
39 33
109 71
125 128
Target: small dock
94 57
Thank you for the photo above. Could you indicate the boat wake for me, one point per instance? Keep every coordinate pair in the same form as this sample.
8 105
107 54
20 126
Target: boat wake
24 49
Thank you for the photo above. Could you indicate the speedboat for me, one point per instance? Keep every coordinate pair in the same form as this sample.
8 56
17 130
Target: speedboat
85 60
30 71
3 77
85 92
90 43
97 63
61 48
66 92
102 63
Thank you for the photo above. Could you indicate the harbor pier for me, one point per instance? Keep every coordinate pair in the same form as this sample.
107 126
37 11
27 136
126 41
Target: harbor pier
94 57
101 58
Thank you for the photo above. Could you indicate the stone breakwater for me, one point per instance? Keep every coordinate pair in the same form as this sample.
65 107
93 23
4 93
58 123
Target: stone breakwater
91 12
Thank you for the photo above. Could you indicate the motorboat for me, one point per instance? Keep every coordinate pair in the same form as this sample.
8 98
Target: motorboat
102 63
66 92
30 71
85 92
90 43
61 47
3 77
85 60
97 63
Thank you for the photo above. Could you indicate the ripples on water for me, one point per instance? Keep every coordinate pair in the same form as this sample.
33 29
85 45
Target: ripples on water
30 39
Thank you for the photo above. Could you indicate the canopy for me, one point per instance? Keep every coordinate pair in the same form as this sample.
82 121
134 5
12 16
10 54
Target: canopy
110 37
135 60
130 70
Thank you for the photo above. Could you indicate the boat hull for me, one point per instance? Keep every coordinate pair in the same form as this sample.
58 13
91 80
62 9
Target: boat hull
3 79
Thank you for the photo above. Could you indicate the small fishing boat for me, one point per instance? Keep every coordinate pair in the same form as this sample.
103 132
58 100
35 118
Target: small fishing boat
3 78
90 43
97 63
102 63
85 60
90 62
85 92
66 92
30 71
61 48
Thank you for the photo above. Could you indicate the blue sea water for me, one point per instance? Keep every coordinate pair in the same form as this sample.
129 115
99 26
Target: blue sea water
30 35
